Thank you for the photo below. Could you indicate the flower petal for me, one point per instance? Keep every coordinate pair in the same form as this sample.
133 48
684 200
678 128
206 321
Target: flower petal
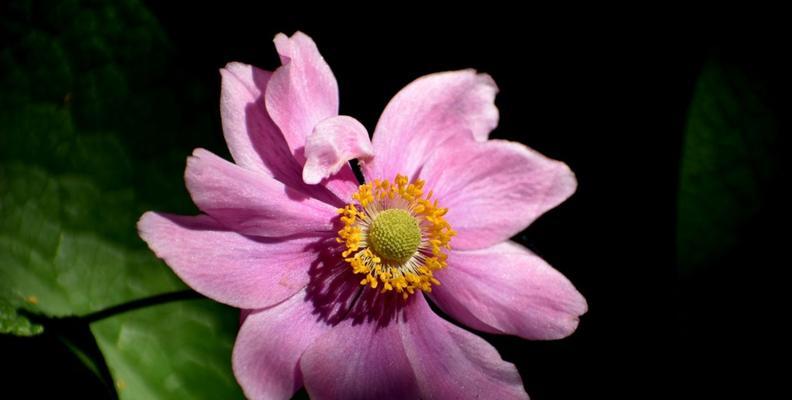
223 265
301 93
269 345
252 203
494 189
253 139
360 358
508 289
451 363
392 349
426 113
332 144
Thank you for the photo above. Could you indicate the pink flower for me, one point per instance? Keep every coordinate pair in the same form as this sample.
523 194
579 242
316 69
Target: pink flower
332 276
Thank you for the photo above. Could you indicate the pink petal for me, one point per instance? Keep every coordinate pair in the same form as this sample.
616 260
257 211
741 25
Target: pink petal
253 139
332 144
302 93
269 345
451 363
426 113
343 183
508 289
228 267
271 342
495 189
253 203
360 358
389 349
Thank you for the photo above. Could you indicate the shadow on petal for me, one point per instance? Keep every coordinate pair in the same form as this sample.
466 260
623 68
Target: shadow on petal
336 293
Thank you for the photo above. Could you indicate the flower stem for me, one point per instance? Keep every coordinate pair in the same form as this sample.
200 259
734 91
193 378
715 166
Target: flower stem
141 303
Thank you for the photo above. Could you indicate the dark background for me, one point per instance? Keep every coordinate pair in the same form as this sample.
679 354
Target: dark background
608 97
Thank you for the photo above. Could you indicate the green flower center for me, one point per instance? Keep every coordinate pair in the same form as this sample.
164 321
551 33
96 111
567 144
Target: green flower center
394 235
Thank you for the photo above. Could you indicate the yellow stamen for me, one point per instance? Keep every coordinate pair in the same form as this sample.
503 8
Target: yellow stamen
395 235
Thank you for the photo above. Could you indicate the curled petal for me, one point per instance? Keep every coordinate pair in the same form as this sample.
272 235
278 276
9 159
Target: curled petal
253 139
332 144
301 93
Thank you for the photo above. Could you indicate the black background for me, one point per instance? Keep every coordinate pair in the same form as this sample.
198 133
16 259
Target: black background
608 97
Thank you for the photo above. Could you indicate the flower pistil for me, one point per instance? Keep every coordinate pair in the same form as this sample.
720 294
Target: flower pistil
395 235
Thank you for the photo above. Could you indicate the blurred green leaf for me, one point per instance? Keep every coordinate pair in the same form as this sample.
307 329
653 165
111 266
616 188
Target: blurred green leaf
728 162
92 134
174 351
54 248
73 177
15 324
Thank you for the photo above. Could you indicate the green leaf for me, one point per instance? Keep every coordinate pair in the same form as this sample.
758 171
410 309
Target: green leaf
92 134
15 324
74 177
728 162
180 350
57 264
